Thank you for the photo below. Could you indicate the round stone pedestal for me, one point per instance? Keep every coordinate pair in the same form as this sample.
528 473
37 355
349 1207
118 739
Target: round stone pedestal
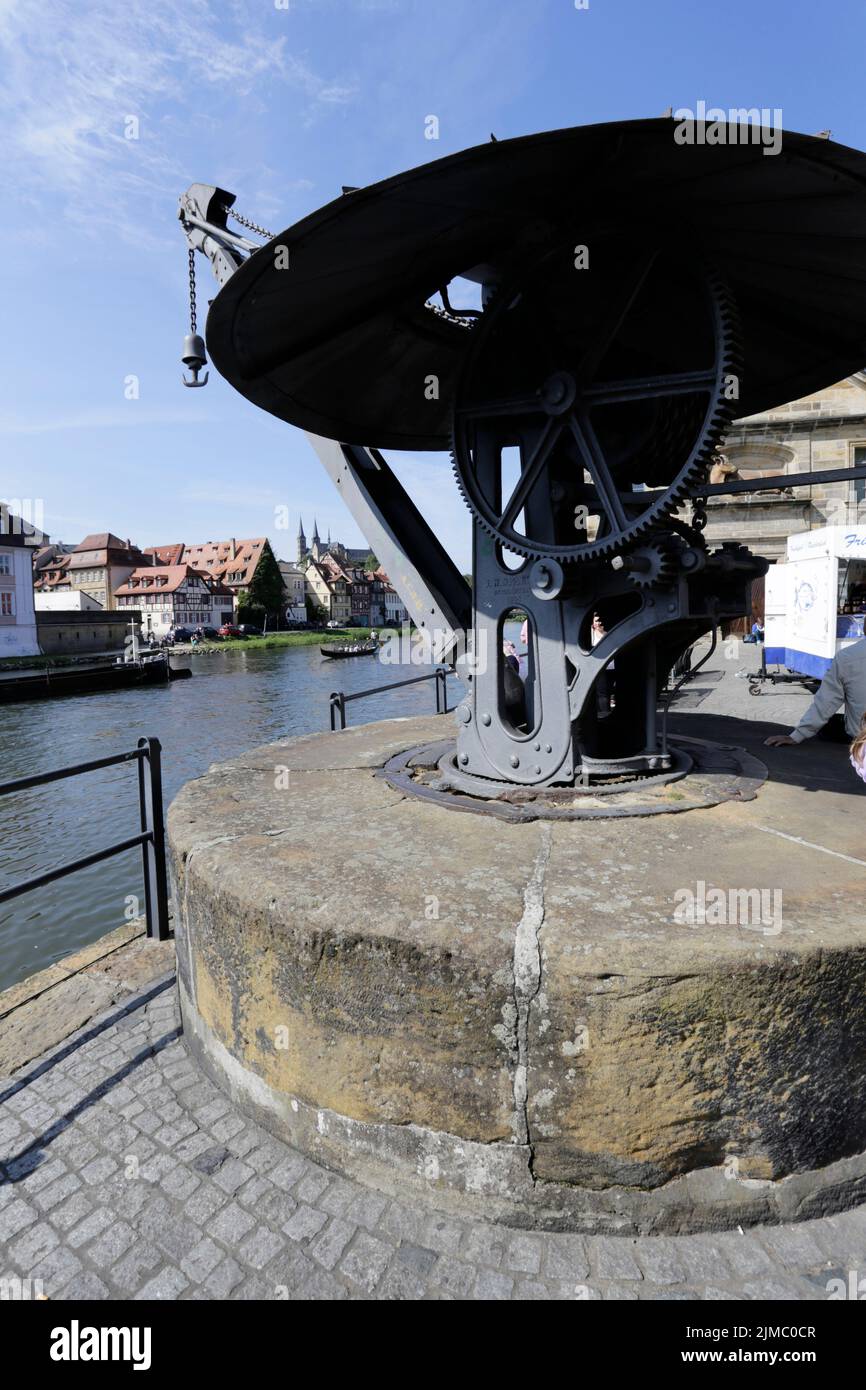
642 1025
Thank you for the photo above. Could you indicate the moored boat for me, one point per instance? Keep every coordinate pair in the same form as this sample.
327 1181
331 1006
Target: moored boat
51 682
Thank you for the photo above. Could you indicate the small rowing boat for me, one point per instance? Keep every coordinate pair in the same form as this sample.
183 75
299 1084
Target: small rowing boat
336 651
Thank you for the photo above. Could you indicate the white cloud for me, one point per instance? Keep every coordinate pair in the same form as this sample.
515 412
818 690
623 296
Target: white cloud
74 70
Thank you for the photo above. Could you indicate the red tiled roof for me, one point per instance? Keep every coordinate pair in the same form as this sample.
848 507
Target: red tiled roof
156 579
166 554
217 558
53 574
103 544
103 540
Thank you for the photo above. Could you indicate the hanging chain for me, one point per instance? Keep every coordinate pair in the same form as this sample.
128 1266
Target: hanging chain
192 311
251 226
699 513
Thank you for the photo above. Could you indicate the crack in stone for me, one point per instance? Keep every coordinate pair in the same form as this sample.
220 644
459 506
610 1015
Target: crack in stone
231 839
526 974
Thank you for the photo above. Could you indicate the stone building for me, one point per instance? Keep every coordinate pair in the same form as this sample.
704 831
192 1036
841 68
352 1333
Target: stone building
100 564
820 432
18 633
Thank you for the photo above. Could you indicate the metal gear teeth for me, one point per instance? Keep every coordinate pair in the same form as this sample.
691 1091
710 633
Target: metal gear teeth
693 471
485 525
663 554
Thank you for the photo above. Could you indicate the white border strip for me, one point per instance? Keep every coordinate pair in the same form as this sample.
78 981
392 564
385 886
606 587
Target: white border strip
798 840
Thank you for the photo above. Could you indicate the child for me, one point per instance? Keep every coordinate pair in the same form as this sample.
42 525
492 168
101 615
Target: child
858 751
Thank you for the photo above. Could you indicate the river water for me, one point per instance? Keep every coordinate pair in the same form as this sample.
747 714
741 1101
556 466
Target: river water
234 701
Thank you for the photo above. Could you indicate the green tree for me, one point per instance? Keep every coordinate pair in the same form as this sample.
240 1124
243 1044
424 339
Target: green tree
371 564
264 596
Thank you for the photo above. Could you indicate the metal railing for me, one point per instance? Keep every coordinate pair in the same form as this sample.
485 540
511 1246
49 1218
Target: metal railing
151 839
339 699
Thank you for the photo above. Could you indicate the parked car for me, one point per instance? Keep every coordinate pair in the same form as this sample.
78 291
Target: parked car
248 630
333 623
180 634
230 630
209 634
297 625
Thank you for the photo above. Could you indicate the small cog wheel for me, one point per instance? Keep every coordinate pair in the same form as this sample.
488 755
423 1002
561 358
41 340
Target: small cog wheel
652 566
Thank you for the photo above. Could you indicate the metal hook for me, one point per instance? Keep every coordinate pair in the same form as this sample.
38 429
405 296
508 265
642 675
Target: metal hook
195 358
195 381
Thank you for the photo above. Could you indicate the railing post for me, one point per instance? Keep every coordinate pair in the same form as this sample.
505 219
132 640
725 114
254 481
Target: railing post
338 702
441 689
153 849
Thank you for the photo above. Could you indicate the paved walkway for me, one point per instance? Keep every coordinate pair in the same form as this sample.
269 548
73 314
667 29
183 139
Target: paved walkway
125 1174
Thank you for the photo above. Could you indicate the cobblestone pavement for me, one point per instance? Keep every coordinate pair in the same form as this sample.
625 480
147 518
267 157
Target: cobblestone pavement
125 1174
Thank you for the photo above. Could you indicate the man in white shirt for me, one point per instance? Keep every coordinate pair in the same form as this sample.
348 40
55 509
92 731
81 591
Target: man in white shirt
844 684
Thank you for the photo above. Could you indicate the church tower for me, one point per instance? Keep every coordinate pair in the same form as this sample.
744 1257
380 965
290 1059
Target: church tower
302 540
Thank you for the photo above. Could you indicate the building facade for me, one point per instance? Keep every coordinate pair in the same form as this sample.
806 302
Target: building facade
101 564
232 564
328 592
170 596
294 592
18 633
359 595
396 613
820 432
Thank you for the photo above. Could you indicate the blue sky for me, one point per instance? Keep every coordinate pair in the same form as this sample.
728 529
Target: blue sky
283 105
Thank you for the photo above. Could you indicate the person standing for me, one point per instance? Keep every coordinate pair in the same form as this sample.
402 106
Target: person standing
845 685
604 688
858 751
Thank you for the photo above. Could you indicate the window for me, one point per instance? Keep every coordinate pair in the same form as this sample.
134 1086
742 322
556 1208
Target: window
7 605
859 483
5 564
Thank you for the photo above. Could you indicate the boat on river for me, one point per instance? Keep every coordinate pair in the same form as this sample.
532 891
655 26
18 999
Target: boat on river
52 681
337 651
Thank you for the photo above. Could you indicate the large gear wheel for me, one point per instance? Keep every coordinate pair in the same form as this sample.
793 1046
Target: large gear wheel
590 400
